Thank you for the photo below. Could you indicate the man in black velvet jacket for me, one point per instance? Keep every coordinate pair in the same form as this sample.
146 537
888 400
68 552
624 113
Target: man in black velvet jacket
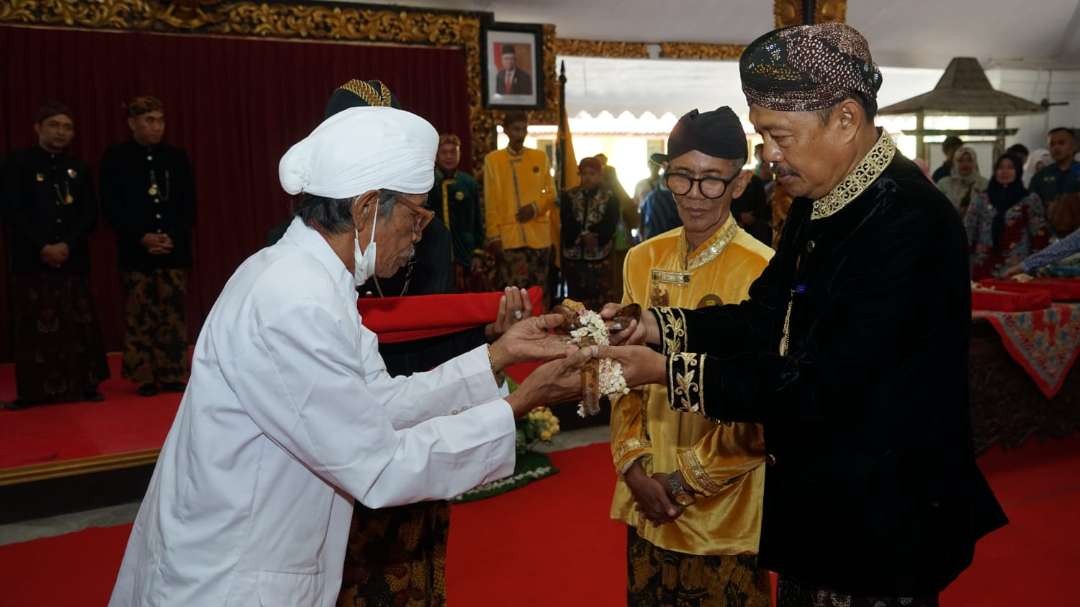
851 351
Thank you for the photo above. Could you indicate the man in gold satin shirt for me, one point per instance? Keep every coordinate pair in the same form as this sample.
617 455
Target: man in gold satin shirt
519 209
689 489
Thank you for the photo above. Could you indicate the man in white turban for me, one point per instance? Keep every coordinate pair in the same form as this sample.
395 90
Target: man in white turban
290 413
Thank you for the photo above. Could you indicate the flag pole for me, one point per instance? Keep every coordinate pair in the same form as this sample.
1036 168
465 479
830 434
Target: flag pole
561 152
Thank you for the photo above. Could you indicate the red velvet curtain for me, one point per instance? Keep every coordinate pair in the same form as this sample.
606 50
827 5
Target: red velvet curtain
234 104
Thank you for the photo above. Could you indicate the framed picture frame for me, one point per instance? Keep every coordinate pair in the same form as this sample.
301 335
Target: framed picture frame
513 68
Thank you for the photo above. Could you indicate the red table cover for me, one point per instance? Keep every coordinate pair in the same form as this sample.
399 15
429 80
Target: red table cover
999 300
414 317
1045 343
1060 289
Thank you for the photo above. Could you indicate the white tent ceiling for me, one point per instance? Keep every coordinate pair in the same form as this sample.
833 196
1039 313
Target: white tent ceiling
643 85
911 33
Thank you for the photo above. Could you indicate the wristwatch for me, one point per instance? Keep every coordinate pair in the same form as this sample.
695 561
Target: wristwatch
682 496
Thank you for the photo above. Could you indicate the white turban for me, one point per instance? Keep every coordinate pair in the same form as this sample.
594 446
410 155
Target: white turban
362 149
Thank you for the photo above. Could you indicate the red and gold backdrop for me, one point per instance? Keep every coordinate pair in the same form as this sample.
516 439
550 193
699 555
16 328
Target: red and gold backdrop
241 81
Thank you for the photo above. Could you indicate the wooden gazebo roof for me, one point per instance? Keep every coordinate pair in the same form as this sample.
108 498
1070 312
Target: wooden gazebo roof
964 90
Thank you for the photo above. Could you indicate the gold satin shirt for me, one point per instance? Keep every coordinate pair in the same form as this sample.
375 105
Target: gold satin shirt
722 463
512 181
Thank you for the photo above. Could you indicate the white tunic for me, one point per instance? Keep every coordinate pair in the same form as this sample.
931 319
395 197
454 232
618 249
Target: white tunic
289 414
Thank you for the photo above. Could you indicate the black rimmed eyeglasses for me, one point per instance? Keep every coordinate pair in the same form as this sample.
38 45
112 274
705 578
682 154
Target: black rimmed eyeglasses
712 188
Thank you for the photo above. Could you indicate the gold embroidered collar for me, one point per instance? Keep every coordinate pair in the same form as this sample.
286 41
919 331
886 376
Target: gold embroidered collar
865 173
716 244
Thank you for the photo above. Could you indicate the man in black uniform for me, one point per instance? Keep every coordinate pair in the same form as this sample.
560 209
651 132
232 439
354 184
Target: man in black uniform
455 198
148 193
59 354
852 349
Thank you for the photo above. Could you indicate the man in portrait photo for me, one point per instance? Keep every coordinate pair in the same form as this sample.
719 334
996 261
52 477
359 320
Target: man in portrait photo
511 79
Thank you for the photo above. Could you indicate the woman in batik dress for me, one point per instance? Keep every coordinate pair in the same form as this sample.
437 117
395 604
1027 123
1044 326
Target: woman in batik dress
1006 223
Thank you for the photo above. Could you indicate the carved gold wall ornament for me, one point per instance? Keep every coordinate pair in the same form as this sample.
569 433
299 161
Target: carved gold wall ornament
790 12
704 51
611 49
573 47
114 14
189 14
829 11
787 13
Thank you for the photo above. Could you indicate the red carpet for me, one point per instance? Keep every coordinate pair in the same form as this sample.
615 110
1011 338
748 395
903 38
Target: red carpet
548 543
124 422
552 544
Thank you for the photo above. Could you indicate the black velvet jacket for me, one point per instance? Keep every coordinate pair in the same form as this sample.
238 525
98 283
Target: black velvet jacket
149 190
871 485
52 200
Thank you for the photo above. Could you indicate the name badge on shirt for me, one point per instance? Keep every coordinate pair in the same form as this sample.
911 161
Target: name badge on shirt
671 278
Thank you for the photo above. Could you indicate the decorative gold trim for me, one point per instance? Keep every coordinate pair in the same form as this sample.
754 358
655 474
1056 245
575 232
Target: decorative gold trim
573 47
686 375
695 50
672 323
829 11
865 173
549 115
627 448
305 21
787 13
616 49
695 474
790 12
74 467
719 241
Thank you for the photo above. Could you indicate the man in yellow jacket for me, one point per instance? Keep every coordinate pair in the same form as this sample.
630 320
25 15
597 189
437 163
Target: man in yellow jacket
711 475
519 208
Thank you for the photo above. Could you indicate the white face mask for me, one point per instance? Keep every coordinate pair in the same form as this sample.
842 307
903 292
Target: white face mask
364 261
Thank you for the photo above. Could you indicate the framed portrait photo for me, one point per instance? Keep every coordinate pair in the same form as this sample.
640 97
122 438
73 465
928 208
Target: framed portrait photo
513 69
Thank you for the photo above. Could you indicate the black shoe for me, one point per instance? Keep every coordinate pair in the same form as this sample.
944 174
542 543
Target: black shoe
18 403
93 396
148 390
176 386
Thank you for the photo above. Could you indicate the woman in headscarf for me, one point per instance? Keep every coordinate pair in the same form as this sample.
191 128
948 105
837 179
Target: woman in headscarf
1006 223
965 182
1036 161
